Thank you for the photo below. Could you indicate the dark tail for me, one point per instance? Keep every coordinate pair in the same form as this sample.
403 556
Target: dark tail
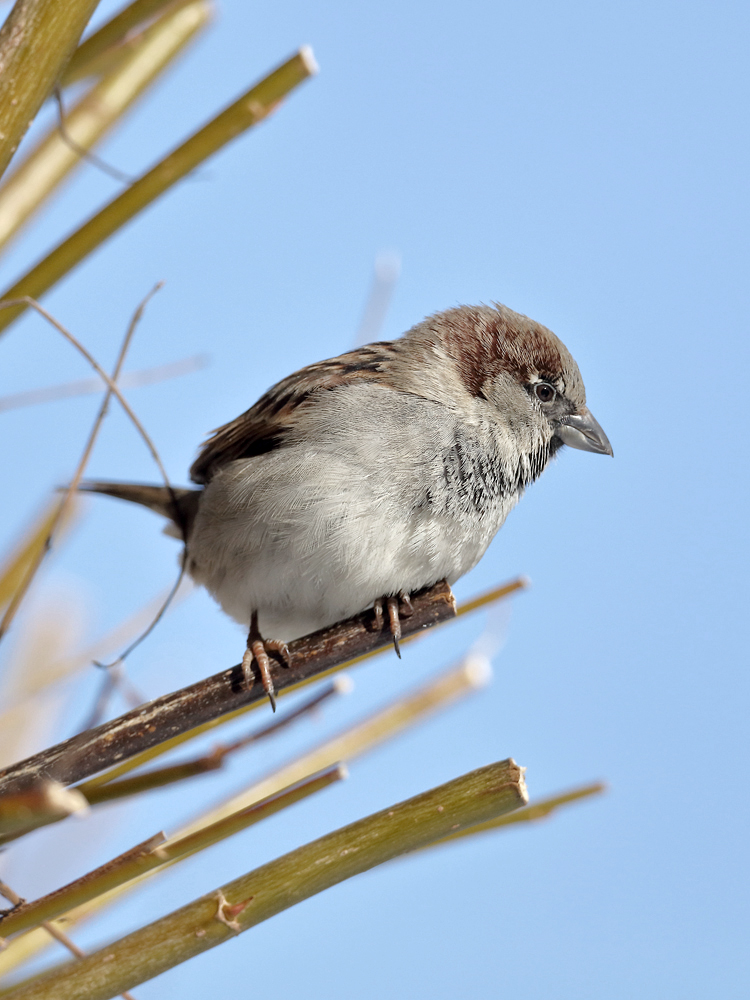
157 498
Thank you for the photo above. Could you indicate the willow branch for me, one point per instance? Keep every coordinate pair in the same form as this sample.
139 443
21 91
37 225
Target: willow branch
36 41
157 852
100 108
394 718
148 781
261 894
254 106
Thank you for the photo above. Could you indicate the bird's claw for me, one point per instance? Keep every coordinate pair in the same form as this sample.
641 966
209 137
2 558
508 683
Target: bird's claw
257 650
396 607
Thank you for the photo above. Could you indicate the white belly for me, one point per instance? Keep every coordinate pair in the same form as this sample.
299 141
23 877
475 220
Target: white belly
308 537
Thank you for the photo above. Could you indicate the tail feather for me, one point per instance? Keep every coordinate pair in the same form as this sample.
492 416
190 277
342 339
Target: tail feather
156 498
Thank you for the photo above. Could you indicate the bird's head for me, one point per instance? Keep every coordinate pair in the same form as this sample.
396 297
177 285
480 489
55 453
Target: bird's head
521 369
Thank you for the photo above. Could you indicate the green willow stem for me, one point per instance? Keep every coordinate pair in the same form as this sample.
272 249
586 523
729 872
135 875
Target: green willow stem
43 803
94 115
529 814
255 105
261 894
400 714
156 854
36 42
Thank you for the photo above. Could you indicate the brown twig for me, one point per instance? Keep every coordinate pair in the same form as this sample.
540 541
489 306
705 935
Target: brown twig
114 679
81 151
158 777
181 711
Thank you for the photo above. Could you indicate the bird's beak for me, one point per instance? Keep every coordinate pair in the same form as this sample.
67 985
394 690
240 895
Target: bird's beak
581 430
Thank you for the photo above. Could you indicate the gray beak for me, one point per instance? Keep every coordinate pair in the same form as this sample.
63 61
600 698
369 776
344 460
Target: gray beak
581 430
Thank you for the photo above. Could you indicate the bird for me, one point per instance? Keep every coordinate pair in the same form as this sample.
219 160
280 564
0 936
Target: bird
358 480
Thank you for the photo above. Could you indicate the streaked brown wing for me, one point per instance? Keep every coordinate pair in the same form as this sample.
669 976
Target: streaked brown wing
263 427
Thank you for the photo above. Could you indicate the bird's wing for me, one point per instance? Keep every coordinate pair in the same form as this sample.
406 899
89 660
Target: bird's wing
263 427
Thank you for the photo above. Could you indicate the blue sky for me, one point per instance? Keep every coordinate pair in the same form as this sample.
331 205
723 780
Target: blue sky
583 163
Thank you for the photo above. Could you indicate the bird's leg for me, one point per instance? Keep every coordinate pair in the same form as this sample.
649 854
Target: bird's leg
394 615
258 649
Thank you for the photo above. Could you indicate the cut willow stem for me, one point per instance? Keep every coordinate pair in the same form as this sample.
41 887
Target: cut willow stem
98 110
105 44
251 108
157 852
36 41
42 803
261 894
364 736
159 777
159 720
528 814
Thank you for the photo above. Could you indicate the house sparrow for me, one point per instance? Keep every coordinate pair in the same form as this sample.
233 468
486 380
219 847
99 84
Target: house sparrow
359 480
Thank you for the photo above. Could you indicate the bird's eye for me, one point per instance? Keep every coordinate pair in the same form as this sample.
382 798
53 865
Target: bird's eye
544 393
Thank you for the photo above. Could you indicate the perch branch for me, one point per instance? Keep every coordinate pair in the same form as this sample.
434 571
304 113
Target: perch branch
212 761
160 720
391 720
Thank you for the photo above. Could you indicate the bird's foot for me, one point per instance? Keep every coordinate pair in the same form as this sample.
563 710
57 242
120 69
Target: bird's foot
257 650
396 607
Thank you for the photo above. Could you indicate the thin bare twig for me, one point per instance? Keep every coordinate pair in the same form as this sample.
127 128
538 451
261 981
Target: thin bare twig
81 151
157 617
385 275
67 499
115 679
90 386
26 300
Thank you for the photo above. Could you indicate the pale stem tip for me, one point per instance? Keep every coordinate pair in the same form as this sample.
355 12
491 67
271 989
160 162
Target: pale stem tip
308 59
343 771
478 669
67 800
343 684
522 783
